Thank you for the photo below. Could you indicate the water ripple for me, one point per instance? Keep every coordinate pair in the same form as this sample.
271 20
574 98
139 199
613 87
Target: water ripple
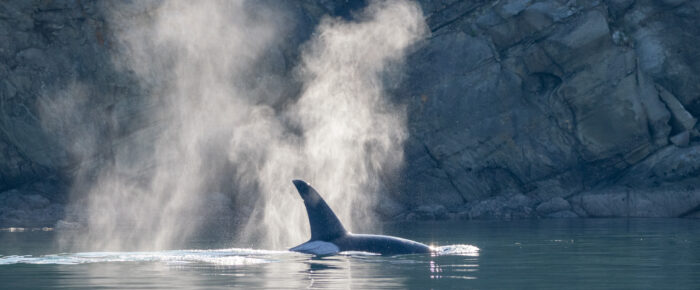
219 257
222 257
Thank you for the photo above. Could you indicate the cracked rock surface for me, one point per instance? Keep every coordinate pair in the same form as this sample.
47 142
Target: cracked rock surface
516 108
572 106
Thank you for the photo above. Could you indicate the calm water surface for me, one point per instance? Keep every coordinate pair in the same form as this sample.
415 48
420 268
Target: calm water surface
546 254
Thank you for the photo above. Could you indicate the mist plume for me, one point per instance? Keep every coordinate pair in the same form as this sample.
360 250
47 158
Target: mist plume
224 120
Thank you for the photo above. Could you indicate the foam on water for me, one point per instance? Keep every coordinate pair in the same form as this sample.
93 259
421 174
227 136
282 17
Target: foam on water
223 257
456 250
219 257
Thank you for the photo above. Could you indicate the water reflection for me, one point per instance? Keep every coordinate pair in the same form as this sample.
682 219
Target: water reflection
348 271
228 268
585 254
465 269
316 267
234 267
326 272
435 270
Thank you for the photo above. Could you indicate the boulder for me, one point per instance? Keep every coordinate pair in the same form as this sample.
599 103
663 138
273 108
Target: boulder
564 214
62 225
668 166
556 204
572 42
514 207
669 60
21 208
681 139
626 202
428 212
657 112
682 119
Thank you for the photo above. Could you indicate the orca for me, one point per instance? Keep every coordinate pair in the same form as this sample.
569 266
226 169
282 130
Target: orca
328 236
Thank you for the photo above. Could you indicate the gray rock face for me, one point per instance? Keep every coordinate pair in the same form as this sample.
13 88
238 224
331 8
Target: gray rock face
554 205
625 202
681 139
562 100
428 212
516 109
30 206
44 48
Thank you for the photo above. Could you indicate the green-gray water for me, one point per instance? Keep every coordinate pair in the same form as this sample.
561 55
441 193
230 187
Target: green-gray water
530 254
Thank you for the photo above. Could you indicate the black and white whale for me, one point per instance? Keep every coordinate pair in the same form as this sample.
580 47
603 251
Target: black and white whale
328 236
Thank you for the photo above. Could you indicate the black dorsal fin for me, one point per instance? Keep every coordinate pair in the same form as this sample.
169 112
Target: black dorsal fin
325 226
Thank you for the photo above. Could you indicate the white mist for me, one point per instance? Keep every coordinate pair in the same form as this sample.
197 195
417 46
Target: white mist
215 119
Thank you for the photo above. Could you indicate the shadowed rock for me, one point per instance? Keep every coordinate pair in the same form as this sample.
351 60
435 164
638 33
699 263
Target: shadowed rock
514 107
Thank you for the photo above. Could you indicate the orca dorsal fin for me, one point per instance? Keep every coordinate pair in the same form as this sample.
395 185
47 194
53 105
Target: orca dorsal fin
325 226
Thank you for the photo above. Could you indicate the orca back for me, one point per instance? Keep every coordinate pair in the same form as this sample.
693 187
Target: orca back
380 244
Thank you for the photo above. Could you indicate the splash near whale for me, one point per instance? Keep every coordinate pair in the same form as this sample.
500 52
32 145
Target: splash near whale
328 236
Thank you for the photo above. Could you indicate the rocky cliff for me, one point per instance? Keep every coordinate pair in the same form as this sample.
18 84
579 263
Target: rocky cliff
557 109
516 109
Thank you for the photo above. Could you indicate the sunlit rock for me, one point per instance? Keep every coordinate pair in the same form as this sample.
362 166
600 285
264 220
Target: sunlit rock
514 109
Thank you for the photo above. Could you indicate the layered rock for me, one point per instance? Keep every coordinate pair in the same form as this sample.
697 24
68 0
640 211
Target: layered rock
517 109
555 101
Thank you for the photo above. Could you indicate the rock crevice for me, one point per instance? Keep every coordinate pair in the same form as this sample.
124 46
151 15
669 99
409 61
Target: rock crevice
516 109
